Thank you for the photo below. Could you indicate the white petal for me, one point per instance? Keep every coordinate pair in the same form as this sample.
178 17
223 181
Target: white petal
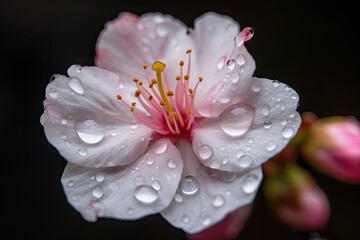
87 124
145 187
214 47
236 145
218 193
130 41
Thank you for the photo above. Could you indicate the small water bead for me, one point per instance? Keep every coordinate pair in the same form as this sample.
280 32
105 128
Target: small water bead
237 119
225 160
139 180
67 143
53 77
256 85
185 218
265 110
271 146
245 161
171 163
205 152
89 131
113 132
161 31
71 183
287 132
189 185
284 122
77 68
160 147
231 64
76 85
146 194
218 201
251 140
228 176
98 192
134 124
130 211
99 177
276 83
294 96
63 121
53 93
235 76
221 63
150 159
240 153
63 136
83 152
267 124
179 198
240 59
206 221
156 185
250 183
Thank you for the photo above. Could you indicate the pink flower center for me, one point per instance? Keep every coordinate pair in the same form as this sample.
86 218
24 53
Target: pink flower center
167 111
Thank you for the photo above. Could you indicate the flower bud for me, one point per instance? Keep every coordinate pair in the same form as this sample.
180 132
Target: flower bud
333 148
296 199
228 228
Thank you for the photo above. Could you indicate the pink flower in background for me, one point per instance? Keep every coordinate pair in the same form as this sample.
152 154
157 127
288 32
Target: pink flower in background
175 125
333 147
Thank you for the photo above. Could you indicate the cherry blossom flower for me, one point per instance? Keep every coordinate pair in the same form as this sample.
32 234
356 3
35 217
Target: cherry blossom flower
171 121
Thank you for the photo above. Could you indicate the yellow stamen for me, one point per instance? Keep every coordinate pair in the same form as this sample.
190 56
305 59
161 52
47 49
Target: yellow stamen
188 111
140 83
119 97
135 79
170 93
133 104
181 63
178 78
186 77
190 90
200 79
150 97
132 109
159 67
144 66
153 81
188 51
137 93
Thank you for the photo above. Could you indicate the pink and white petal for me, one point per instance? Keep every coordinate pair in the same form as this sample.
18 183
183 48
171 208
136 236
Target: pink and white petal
144 187
130 41
226 67
206 196
87 124
249 133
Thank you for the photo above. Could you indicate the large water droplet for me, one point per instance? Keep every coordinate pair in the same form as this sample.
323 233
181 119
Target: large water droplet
171 163
250 183
218 201
235 76
237 119
98 192
75 84
134 124
231 64
240 59
245 35
267 124
179 198
245 161
89 131
185 218
205 152
53 93
265 109
228 176
270 146
287 132
189 185
256 85
160 147
83 152
146 194
99 177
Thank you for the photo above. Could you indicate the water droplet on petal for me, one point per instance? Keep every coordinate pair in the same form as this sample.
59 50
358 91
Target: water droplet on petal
160 147
171 163
89 131
206 221
270 146
146 194
130 211
113 132
294 96
134 124
150 159
225 160
185 218
240 59
77 68
240 153
76 85
245 161
245 35
99 177
205 152
287 132
265 109
276 83
267 124
228 176
161 31
71 183
179 198
235 76
256 85
67 143
156 185
64 121
53 93
83 152
189 185
221 63
218 201
237 119
231 64
250 183
98 192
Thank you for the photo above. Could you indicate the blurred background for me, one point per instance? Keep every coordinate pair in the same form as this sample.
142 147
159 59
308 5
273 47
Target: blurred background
309 45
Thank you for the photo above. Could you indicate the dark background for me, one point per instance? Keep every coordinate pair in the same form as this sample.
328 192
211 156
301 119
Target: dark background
312 46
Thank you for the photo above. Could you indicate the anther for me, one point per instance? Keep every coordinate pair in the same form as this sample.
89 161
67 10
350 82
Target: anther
132 109
153 81
178 78
162 103
186 77
181 63
190 90
133 104
144 66
140 83
200 79
170 93
119 97
137 93
188 111
188 51
150 97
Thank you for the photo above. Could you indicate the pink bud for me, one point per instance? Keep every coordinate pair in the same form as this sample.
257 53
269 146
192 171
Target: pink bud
297 199
228 228
333 148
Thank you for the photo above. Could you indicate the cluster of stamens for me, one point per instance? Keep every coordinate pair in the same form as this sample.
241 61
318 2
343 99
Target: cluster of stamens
166 111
